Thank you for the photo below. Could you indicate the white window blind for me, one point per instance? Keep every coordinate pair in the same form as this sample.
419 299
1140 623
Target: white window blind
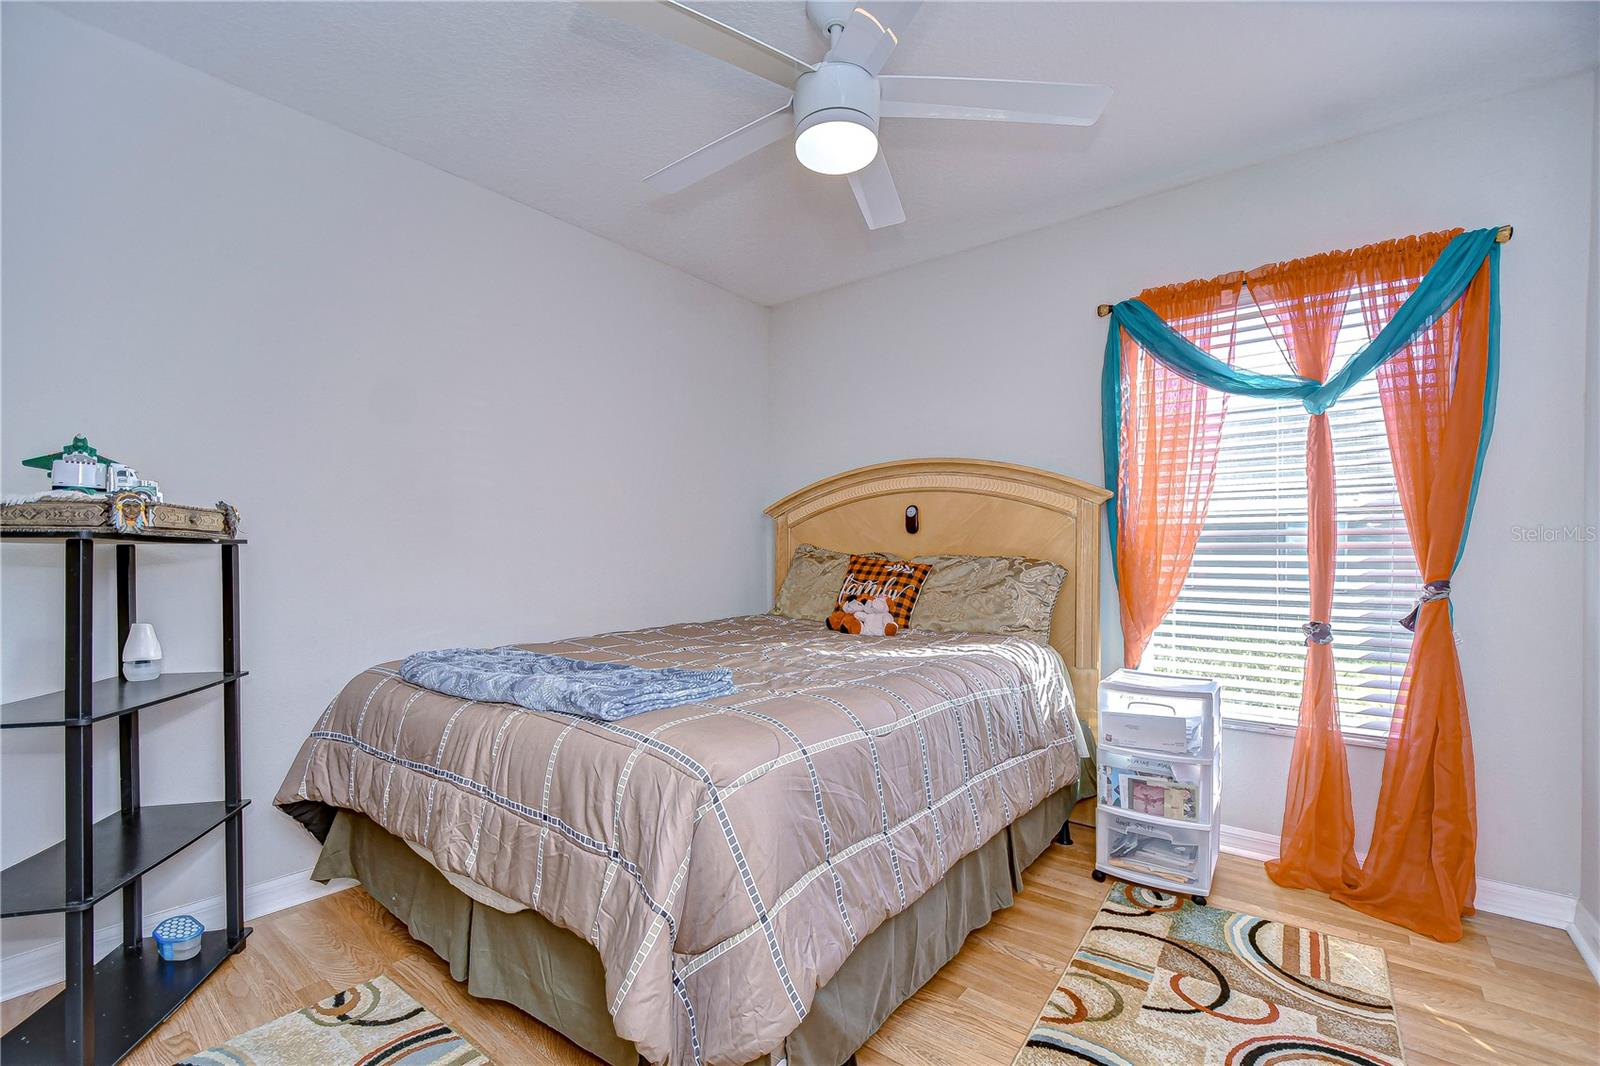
1238 616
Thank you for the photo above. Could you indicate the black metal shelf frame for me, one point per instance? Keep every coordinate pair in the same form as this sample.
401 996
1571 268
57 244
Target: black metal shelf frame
124 849
110 698
106 1009
108 534
134 993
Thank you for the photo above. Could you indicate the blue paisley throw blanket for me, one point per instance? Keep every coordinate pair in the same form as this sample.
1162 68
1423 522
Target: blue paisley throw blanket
540 682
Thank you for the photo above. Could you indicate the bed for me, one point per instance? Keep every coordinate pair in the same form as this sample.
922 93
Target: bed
762 877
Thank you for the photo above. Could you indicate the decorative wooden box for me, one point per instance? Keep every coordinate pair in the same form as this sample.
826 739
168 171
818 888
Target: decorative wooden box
94 513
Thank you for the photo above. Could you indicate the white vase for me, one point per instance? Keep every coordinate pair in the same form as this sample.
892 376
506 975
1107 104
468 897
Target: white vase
141 656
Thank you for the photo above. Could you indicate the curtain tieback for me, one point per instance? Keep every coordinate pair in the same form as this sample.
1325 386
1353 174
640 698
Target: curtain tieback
1433 590
1317 632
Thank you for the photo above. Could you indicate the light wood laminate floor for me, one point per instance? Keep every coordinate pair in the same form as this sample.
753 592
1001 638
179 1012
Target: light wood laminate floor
1508 992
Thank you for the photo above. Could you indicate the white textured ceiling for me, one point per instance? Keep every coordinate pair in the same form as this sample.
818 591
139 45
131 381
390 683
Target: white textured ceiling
564 109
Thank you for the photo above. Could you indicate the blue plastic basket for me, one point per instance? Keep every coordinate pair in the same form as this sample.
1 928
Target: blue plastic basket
178 937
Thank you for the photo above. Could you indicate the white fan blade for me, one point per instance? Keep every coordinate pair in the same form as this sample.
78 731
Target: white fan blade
870 34
993 100
724 151
687 26
876 194
892 15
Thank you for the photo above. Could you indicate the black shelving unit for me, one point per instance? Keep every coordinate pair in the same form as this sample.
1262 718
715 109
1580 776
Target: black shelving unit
109 1006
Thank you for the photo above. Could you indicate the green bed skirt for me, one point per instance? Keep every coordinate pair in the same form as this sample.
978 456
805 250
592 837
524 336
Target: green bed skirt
556 976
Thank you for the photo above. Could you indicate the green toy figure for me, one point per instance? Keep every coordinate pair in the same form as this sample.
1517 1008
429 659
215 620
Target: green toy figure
78 467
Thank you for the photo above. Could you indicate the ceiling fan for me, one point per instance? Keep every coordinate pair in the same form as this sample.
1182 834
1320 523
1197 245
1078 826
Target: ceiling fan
839 101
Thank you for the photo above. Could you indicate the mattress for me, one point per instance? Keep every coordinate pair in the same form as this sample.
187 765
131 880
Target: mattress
724 859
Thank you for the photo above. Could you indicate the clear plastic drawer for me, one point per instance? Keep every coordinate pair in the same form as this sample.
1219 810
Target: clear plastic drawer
1172 788
1158 712
1155 851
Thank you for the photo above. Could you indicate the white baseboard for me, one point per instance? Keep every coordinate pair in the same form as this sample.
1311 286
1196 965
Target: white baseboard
1497 897
1249 844
1585 933
43 966
1536 905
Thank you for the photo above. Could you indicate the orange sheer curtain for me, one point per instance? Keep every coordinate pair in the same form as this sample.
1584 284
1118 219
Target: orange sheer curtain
1171 428
1303 303
1419 869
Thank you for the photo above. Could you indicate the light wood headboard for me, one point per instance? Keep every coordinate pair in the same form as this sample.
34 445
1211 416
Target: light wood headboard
967 507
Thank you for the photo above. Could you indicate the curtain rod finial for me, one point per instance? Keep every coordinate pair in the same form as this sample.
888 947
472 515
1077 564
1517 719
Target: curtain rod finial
1103 310
1502 235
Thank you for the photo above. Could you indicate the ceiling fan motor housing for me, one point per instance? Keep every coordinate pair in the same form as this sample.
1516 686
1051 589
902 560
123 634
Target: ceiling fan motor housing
826 14
835 92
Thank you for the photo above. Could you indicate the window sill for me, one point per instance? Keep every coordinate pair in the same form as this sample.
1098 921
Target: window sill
1253 725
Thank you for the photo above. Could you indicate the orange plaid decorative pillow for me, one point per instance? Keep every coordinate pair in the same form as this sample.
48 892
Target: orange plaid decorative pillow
877 595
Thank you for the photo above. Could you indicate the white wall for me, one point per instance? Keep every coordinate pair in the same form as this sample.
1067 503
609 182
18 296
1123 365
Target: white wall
446 418
1001 348
1587 921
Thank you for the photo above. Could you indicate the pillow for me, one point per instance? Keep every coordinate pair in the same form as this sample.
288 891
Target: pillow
877 595
811 587
989 594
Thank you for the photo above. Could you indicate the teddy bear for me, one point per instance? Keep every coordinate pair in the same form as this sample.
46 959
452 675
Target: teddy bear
875 618
870 617
844 619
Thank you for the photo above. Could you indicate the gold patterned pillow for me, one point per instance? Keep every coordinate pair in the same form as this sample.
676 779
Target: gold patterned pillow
811 585
877 595
1007 595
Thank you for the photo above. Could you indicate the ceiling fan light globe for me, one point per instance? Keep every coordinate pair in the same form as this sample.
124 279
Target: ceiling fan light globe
836 146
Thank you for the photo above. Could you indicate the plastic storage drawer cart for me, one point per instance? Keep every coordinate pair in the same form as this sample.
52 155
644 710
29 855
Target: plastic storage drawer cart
1160 766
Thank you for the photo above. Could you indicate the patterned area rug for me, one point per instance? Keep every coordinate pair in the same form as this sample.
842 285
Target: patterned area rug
372 1023
1159 981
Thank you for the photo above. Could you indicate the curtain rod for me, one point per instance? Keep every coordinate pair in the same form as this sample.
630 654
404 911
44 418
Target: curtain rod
1501 236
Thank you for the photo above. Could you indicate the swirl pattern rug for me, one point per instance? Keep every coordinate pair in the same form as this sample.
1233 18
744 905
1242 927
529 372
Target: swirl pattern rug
373 1023
1160 981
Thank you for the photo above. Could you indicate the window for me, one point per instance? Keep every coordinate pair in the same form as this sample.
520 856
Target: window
1239 614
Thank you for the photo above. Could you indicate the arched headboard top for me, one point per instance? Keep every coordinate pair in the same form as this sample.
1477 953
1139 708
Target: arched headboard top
985 476
965 507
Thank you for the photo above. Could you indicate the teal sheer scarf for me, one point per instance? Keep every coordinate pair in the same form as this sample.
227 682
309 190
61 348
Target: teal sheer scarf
1438 291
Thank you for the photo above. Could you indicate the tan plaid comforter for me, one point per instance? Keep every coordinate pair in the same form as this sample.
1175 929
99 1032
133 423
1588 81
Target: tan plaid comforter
724 858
